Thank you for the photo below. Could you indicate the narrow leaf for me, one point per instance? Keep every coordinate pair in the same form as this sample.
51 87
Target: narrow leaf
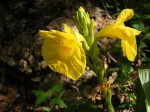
41 96
140 102
59 101
144 75
56 88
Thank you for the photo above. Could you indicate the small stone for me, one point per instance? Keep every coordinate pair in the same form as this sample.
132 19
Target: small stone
23 63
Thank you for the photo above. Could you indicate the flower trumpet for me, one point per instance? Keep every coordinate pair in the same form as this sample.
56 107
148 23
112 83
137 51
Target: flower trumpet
63 52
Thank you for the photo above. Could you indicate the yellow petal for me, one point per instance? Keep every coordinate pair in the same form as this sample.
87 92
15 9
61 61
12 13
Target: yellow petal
45 34
57 34
125 15
70 62
128 50
71 31
131 37
118 31
63 53
126 34
76 63
114 31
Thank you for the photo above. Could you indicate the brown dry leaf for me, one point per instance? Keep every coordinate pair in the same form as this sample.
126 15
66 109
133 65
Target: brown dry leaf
6 98
112 78
126 110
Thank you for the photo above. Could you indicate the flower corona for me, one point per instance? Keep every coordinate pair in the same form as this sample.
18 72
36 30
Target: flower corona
63 52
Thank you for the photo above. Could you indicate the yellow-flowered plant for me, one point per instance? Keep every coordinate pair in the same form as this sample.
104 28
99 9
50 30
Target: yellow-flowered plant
126 34
63 52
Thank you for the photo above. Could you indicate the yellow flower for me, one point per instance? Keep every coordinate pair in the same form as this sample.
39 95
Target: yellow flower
126 34
63 52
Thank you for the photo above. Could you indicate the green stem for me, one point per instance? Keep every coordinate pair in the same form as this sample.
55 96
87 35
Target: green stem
108 103
94 62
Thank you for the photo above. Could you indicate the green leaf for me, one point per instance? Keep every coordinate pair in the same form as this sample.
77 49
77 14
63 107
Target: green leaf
117 48
126 69
37 92
55 88
144 75
142 45
140 26
85 106
146 59
140 102
126 65
147 16
147 36
41 96
58 100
